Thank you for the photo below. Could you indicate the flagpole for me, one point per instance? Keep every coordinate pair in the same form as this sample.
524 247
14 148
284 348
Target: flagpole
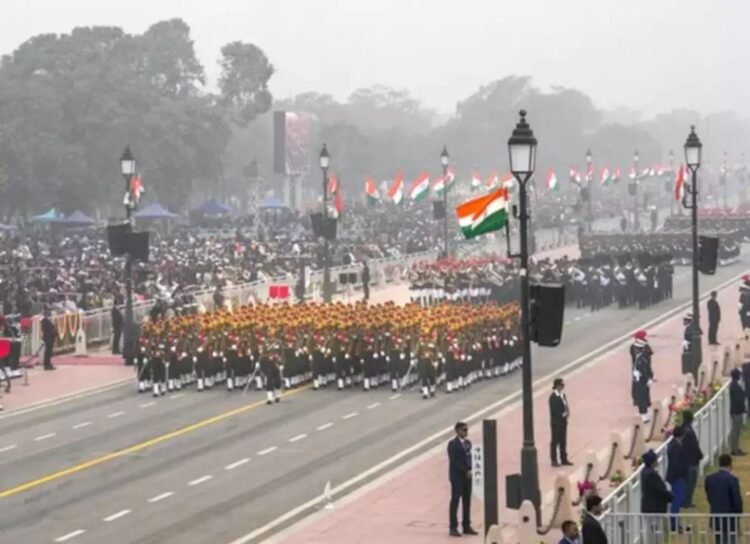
444 158
127 164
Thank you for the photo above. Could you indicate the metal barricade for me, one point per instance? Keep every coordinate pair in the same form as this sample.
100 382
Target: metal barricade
711 425
626 528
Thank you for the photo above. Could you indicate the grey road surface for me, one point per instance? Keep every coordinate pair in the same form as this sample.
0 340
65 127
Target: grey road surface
207 468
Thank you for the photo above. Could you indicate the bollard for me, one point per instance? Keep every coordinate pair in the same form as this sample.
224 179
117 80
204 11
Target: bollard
618 463
527 524
595 473
638 441
726 362
81 343
689 387
493 535
745 346
565 511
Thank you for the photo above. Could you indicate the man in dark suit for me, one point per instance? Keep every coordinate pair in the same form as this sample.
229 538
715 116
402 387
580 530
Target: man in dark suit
365 280
736 411
714 316
117 322
724 497
655 497
558 417
49 333
459 460
694 455
591 529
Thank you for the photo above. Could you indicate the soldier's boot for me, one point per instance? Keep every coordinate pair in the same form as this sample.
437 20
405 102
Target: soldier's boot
367 384
348 381
178 384
340 384
646 418
277 395
287 383
269 397
201 384
316 384
432 390
258 382
448 387
230 384
141 386
394 385
170 384
155 389
425 392
460 382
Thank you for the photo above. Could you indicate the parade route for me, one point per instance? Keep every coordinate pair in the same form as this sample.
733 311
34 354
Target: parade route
211 467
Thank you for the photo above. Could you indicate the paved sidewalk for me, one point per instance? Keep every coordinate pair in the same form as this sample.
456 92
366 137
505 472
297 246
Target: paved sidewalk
411 507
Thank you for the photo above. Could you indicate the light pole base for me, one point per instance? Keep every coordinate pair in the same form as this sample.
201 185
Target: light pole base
530 479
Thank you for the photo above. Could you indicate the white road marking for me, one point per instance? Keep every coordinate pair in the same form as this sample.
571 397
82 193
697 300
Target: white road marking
577 318
67 537
267 450
510 402
81 425
373 405
116 414
200 480
568 322
161 497
586 314
44 437
148 404
118 515
394 397
8 448
351 415
237 464
324 427
176 396
297 438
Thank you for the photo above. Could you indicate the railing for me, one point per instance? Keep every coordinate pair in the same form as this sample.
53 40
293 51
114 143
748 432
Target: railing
687 528
711 424
97 324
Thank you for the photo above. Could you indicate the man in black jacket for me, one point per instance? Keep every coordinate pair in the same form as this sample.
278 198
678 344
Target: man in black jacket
365 280
736 411
655 497
694 455
459 461
49 333
558 417
591 529
714 316
117 322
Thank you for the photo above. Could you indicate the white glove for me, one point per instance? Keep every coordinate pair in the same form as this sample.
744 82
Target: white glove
636 375
650 382
685 345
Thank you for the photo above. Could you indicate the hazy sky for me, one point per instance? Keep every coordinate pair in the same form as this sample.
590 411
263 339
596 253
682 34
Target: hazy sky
651 55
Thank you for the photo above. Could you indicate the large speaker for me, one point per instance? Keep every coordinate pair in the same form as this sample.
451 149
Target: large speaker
708 252
117 235
632 189
438 209
585 194
547 306
323 227
137 245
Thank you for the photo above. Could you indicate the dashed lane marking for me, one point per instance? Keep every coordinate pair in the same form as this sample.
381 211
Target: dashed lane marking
7 448
44 437
351 415
200 480
394 397
577 318
324 427
373 405
116 414
267 450
81 425
236 464
176 396
118 515
297 438
161 497
148 404
70 536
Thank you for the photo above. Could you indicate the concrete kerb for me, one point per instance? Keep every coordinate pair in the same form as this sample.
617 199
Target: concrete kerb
540 386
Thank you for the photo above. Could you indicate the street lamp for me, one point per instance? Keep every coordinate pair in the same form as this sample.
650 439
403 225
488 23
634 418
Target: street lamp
444 160
522 151
127 167
693 152
668 183
633 190
723 178
590 187
325 160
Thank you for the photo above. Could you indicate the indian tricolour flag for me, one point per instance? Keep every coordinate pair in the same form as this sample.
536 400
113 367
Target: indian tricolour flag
604 177
371 191
396 191
476 180
420 187
574 176
679 183
439 185
484 214
551 181
492 181
616 175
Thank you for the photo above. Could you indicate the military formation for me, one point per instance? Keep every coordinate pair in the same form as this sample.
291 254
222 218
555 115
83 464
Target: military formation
276 347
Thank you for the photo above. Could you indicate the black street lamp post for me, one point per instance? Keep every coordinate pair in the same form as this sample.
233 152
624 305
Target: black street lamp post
693 152
634 192
444 160
325 160
723 179
127 167
590 187
668 184
522 151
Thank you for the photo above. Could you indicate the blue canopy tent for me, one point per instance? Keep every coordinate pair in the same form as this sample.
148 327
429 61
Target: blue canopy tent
77 219
155 211
212 207
272 203
50 216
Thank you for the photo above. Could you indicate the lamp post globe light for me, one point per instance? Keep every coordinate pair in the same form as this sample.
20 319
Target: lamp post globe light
693 156
127 168
522 152
325 161
590 187
445 161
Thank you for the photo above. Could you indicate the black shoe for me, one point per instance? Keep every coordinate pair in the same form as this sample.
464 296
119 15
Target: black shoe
470 531
453 532
567 463
50 368
555 464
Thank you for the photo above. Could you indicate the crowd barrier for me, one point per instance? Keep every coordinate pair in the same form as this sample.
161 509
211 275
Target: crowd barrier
97 324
